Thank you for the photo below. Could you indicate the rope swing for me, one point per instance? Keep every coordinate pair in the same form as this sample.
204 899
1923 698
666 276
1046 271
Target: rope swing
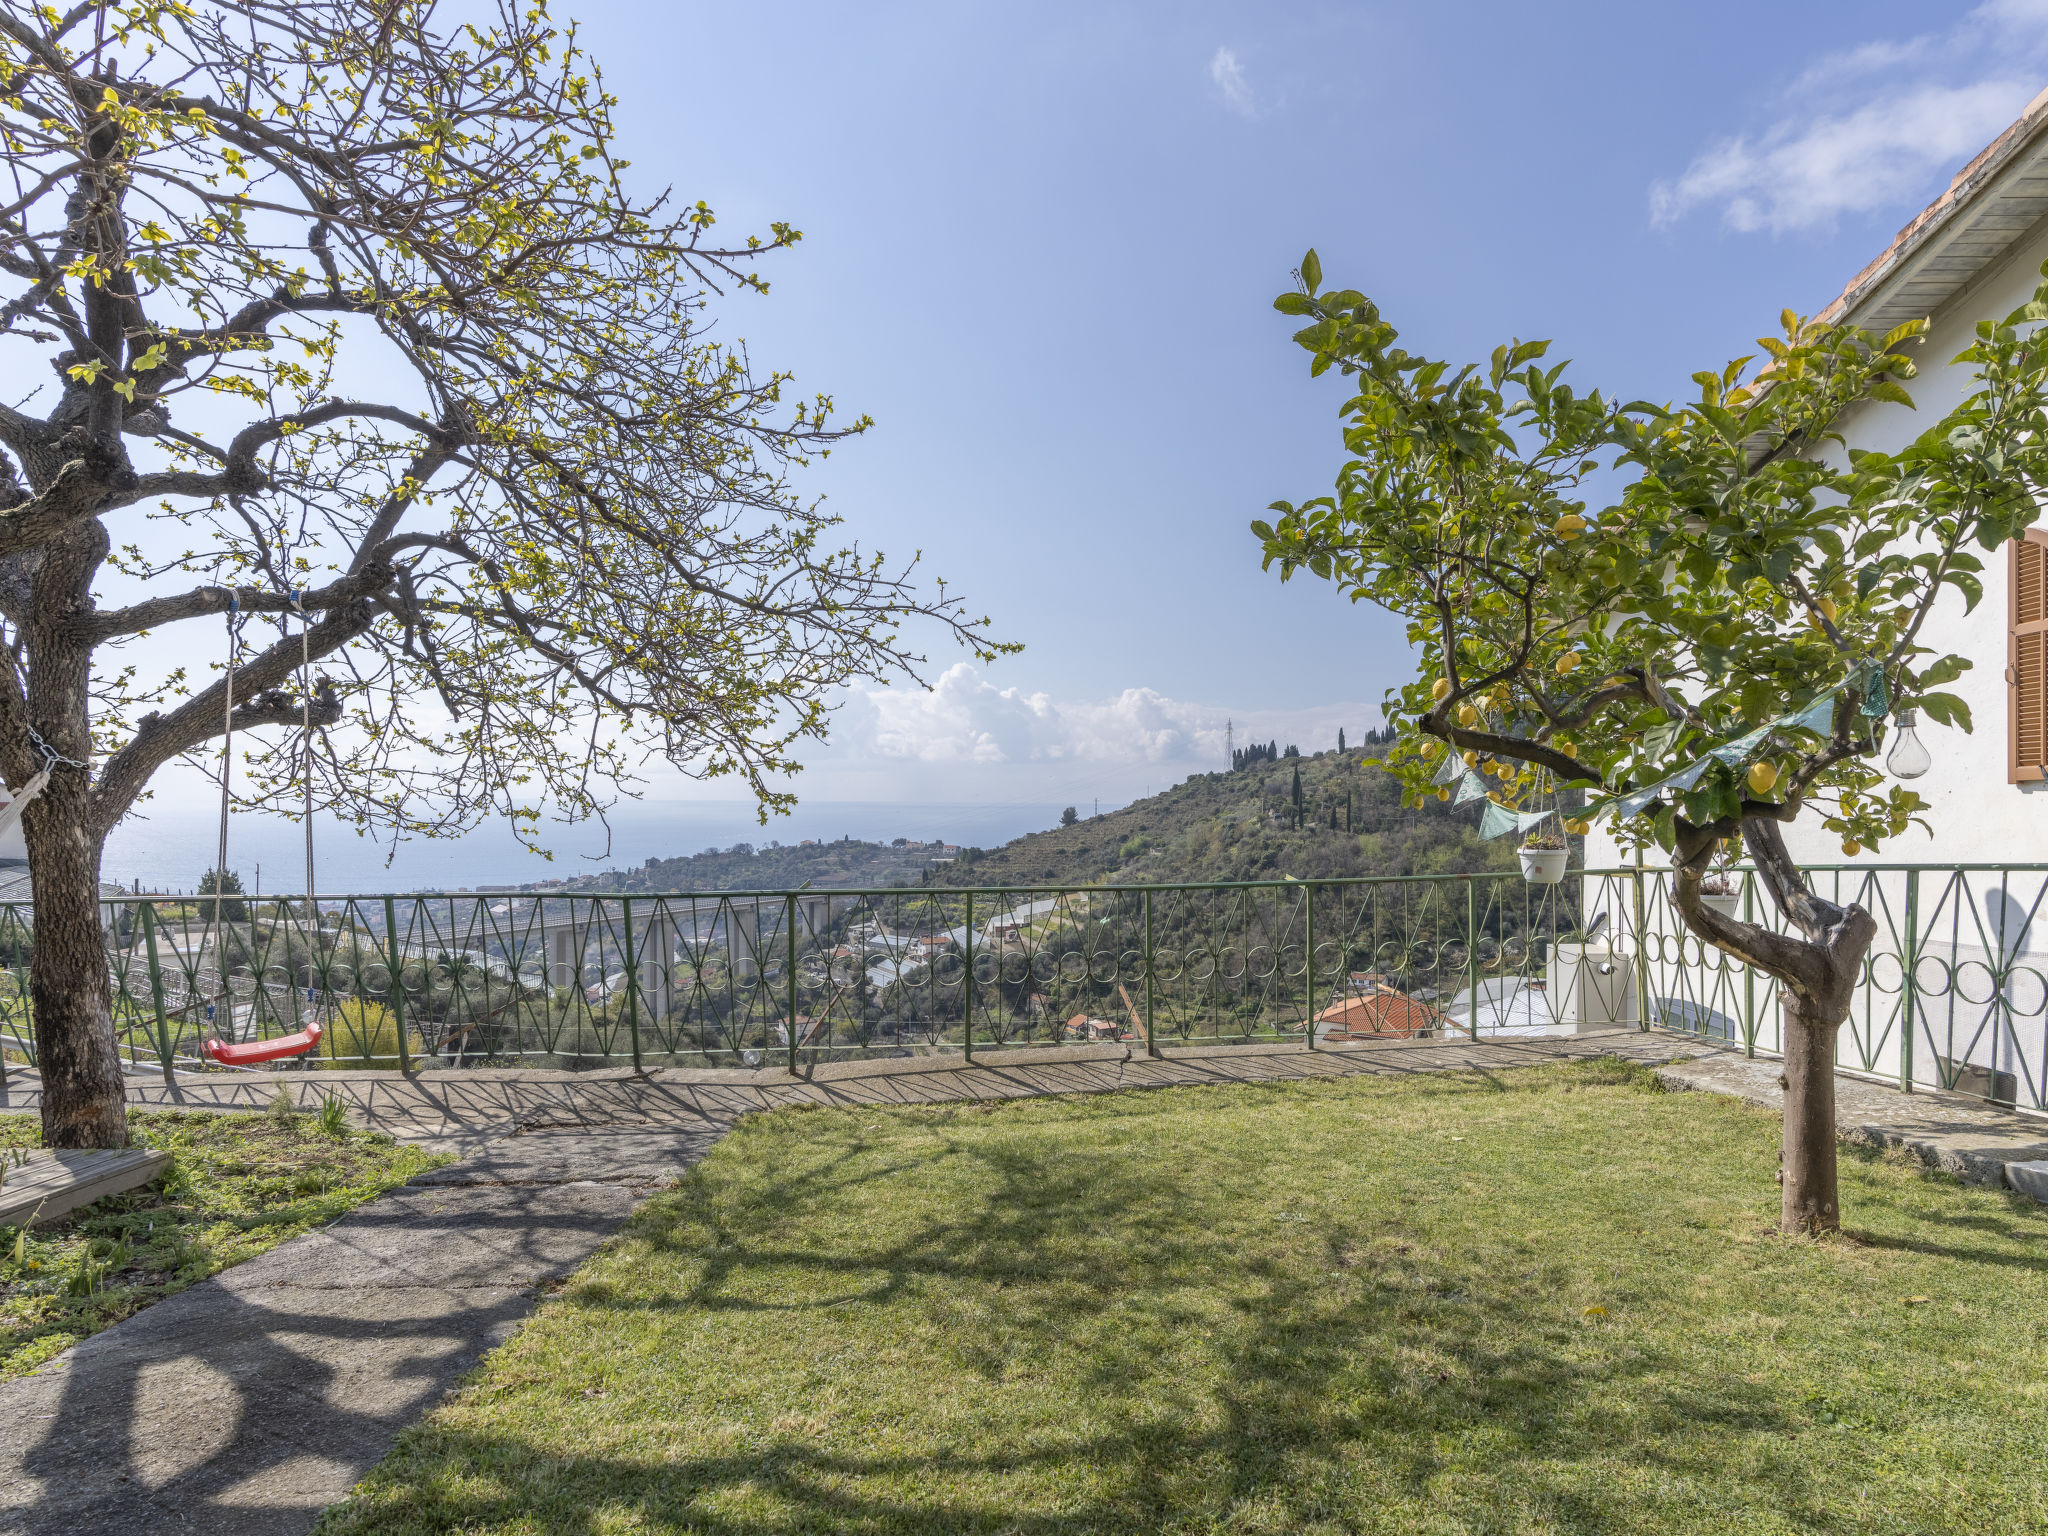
227 1053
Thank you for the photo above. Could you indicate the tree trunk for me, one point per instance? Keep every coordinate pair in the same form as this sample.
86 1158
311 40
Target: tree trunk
84 1097
1810 1203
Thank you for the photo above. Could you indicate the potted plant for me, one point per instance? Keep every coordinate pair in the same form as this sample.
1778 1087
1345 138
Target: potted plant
1543 856
1721 888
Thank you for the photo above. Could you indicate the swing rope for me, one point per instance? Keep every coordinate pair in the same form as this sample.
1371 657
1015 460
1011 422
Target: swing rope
306 746
230 1054
222 1004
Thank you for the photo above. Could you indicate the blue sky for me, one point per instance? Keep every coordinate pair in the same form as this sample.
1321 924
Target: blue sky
1042 242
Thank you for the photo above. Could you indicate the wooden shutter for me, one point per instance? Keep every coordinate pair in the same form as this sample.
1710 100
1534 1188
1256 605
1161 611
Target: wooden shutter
2026 659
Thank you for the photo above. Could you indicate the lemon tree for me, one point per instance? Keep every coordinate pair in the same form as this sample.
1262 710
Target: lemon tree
1703 614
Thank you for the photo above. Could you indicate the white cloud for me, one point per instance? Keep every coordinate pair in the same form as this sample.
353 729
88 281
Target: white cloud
1870 128
1226 73
967 738
964 718
1806 175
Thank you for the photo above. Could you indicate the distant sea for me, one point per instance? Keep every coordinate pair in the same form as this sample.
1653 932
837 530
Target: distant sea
175 845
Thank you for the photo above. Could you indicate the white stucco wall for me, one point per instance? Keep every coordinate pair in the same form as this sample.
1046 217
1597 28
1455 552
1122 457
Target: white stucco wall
1976 816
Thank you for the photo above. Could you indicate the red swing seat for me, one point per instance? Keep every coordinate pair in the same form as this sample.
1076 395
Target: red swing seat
262 1050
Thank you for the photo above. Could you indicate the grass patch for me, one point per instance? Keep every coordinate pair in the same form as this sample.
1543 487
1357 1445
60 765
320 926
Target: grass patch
1547 1300
235 1186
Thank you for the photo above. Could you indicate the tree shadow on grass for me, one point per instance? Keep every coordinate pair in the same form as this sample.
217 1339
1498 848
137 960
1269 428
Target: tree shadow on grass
1212 1382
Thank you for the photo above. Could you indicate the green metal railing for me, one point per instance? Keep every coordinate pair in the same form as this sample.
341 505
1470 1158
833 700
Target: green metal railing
1951 996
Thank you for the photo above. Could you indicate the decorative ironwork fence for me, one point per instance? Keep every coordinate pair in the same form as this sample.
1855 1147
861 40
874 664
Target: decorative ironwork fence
1954 993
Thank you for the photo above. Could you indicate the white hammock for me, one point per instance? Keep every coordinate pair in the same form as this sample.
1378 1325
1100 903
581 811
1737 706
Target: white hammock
10 811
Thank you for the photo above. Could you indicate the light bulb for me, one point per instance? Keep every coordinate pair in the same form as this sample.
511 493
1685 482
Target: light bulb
1908 758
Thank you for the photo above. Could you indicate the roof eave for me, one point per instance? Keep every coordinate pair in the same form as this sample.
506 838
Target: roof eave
1990 207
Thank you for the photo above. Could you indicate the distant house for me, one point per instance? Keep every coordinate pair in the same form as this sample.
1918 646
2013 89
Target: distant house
1082 1027
1381 1015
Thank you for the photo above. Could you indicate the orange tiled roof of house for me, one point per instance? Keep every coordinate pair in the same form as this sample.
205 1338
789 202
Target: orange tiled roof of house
1384 1014
1963 189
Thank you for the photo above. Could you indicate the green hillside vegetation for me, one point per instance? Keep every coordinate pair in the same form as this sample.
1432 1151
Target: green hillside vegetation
848 863
1244 825
1240 825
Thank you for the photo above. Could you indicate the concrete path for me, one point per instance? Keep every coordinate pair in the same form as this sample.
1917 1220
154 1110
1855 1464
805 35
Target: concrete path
1965 1136
248 1403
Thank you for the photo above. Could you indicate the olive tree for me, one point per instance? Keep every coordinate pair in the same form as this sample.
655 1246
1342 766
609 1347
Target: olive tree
353 332
1711 656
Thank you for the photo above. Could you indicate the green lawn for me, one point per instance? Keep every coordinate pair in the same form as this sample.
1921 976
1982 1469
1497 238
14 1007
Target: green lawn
235 1186
1535 1301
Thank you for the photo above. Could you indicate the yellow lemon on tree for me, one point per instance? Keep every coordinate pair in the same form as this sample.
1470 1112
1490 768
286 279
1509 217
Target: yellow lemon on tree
1443 794
1471 759
1569 748
1467 715
1828 610
1570 526
1443 687
1762 776
1568 663
1851 847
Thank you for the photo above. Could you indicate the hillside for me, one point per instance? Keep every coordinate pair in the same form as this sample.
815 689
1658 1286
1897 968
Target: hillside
1213 827
849 863
1236 826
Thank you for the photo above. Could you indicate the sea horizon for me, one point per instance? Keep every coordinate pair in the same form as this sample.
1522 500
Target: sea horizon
170 847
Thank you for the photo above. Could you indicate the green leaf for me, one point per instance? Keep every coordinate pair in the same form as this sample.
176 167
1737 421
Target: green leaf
1291 303
1971 588
1944 709
1312 270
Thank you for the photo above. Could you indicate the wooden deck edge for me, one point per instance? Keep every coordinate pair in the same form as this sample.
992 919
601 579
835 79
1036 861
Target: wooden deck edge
44 1191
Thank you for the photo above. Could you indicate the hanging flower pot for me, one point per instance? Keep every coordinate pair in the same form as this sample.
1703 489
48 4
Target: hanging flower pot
1544 857
1721 889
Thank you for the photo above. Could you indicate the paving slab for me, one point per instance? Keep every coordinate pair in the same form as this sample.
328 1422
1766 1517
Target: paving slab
46 1185
2029 1178
633 1159
235 1412
1964 1136
252 1401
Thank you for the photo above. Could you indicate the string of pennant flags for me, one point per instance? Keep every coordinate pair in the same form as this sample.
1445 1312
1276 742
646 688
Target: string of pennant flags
1817 717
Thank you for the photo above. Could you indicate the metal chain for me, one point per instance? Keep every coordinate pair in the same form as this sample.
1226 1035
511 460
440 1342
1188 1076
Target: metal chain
50 755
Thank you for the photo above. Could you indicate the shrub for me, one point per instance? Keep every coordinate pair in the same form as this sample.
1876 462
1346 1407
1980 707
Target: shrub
360 1034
